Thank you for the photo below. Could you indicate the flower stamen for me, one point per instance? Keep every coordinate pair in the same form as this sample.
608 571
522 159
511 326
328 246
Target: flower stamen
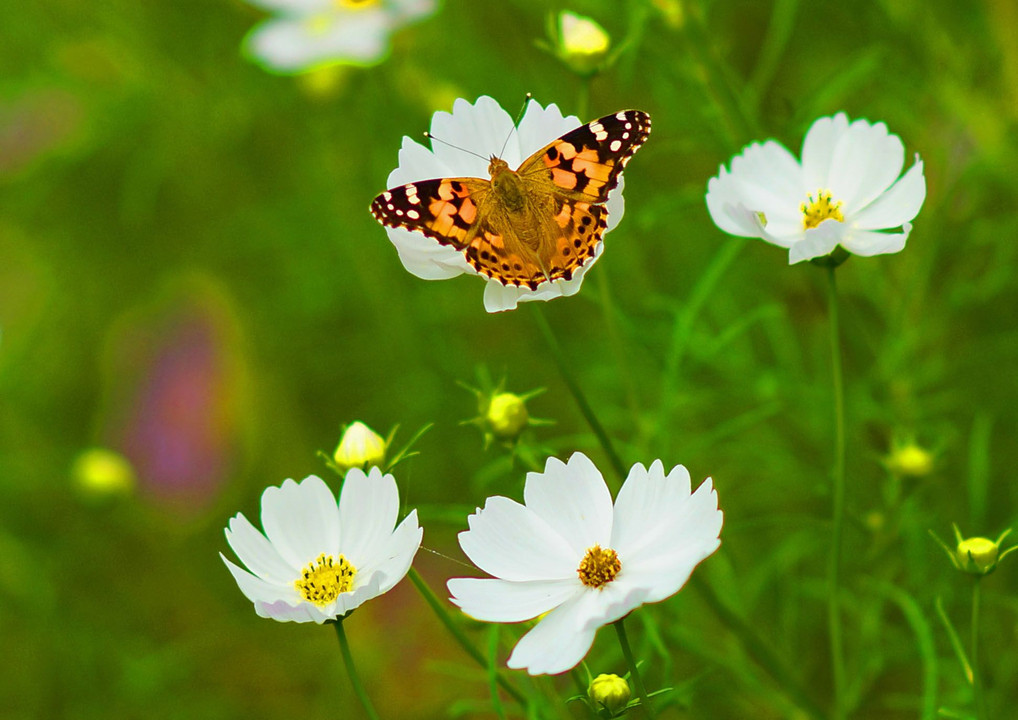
323 580
819 208
599 567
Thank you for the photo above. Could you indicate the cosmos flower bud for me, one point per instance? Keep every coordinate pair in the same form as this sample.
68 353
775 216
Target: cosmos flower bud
977 555
100 473
360 447
506 415
909 461
582 44
609 692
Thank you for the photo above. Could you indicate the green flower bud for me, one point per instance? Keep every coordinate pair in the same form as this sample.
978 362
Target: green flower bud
360 447
506 415
609 692
978 555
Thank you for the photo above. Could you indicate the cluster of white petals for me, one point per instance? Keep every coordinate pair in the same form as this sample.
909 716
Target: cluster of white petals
658 529
479 131
305 34
845 192
303 523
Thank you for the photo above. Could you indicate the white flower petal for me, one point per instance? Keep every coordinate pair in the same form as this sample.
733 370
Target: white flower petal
257 590
539 127
477 131
765 179
257 553
573 498
556 644
395 561
646 506
493 600
867 243
294 7
866 161
818 241
368 508
417 163
301 520
284 612
898 205
511 542
363 591
818 151
406 10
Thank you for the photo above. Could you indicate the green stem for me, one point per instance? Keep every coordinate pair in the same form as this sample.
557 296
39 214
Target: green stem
581 401
952 635
634 671
834 566
977 675
456 631
355 681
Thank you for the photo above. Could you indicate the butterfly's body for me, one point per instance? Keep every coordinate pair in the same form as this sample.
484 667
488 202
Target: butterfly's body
531 225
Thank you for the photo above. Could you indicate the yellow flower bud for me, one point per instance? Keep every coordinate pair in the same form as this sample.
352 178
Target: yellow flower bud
101 473
506 415
360 447
910 460
582 43
977 555
609 692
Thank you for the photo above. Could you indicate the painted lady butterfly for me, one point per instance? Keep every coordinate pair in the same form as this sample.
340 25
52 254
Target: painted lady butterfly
536 224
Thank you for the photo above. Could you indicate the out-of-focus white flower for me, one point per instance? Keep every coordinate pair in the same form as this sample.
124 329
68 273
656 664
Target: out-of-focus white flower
479 131
845 192
317 560
308 34
569 553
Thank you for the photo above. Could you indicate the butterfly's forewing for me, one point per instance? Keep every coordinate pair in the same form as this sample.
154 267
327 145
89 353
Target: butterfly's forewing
585 163
444 209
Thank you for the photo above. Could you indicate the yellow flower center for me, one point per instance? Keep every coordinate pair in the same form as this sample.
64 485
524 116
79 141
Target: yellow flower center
818 208
325 579
354 4
599 567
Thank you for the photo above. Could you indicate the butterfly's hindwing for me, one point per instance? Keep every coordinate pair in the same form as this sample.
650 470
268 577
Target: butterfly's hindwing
586 163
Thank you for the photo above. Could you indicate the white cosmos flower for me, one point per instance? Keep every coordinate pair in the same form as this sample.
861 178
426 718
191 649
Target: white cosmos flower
845 192
484 128
318 560
569 553
306 34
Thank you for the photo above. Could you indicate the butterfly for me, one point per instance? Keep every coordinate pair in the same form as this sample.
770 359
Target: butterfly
538 223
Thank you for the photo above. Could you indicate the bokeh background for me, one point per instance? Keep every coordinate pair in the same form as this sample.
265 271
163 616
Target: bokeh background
189 276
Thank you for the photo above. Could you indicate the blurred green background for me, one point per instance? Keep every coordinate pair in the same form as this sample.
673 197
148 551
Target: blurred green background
189 276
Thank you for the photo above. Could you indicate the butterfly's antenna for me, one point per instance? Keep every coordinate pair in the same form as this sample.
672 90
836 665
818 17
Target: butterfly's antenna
516 123
454 147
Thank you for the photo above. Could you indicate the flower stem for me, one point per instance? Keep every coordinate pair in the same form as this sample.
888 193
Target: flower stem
581 401
355 681
456 631
634 672
834 566
977 676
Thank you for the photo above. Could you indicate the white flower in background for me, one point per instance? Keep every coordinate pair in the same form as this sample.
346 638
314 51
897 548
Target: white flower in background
569 553
846 191
484 128
318 560
307 34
